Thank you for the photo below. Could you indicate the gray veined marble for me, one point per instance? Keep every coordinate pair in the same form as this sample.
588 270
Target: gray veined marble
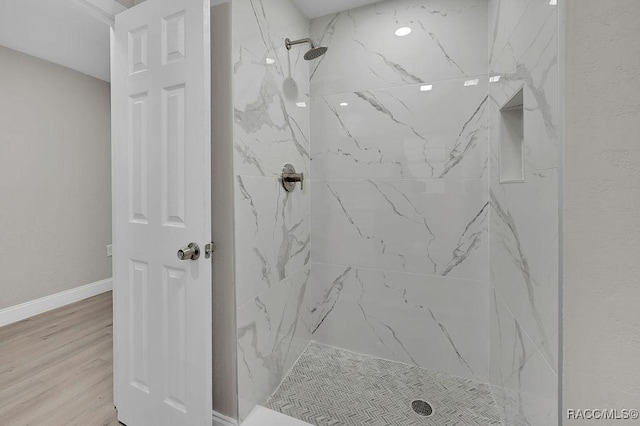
395 260
272 332
524 237
399 190
524 254
423 320
523 385
402 132
321 309
434 227
530 60
270 128
366 53
504 16
270 131
273 239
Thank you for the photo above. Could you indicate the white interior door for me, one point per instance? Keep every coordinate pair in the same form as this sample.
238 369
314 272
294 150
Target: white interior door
161 186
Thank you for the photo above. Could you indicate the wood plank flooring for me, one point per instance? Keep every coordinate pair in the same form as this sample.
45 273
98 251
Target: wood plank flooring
56 369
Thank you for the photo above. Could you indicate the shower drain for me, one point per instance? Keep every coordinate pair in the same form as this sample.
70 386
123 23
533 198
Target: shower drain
422 407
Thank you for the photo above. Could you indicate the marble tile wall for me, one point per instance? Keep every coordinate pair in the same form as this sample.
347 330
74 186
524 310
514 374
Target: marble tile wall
387 251
413 318
524 218
527 391
271 129
448 41
399 191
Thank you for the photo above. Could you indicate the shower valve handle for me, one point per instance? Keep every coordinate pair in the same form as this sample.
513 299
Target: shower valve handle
295 177
290 178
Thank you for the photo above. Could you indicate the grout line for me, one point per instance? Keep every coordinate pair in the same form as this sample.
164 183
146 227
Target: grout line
365 268
418 179
524 330
378 89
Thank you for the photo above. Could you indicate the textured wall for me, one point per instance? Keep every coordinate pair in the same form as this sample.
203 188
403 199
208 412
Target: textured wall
272 226
225 394
55 178
524 253
399 194
602 205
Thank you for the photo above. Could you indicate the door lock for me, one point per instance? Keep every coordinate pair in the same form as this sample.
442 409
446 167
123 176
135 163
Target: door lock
190 252
208 249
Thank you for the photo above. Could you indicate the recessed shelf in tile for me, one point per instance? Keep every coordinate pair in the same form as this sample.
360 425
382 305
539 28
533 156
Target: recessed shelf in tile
512 139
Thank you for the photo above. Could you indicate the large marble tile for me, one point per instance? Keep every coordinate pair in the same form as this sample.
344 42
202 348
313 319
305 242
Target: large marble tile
402 132
504 16
448 40
432 322
272 333
524 386
530 61
271 89
524 254
436 226
272 234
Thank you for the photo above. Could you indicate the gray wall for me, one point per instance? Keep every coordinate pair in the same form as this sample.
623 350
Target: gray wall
222 208
524 248
602 206
55 178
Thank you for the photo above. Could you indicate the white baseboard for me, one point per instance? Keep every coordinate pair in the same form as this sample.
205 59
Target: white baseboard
220 420
48 303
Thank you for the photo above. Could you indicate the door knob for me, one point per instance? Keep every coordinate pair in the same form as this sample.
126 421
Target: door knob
190 252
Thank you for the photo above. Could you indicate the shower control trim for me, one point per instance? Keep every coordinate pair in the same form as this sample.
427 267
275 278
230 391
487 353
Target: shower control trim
290 178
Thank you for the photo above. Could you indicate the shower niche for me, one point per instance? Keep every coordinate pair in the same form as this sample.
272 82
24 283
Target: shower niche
512 139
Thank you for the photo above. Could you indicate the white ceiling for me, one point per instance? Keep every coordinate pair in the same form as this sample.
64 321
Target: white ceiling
316 8
57 31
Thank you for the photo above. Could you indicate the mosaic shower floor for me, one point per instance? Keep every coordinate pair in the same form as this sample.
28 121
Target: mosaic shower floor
330 387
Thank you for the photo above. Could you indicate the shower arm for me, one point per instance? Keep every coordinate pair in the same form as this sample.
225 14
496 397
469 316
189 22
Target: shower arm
290 43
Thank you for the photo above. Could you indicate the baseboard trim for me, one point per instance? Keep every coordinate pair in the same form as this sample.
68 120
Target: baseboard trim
26 310
220 420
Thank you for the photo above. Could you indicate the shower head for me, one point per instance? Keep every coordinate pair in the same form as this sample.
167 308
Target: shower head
313 53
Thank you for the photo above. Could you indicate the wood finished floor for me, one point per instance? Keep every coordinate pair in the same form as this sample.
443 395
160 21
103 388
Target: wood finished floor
56 368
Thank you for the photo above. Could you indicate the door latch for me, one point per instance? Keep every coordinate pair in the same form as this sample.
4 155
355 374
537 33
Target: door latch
208 249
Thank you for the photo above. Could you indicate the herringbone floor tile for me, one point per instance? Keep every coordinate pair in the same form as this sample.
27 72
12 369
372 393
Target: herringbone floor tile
331 387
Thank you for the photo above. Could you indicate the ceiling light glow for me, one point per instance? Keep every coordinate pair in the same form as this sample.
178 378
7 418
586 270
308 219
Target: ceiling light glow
426 87
494 79
403 31
301 104
344 104
553 2
269 61
471 82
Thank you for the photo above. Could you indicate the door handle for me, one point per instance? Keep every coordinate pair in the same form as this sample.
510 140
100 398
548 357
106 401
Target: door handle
190 252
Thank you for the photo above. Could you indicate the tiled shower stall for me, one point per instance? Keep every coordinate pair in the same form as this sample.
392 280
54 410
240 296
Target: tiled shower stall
408 242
